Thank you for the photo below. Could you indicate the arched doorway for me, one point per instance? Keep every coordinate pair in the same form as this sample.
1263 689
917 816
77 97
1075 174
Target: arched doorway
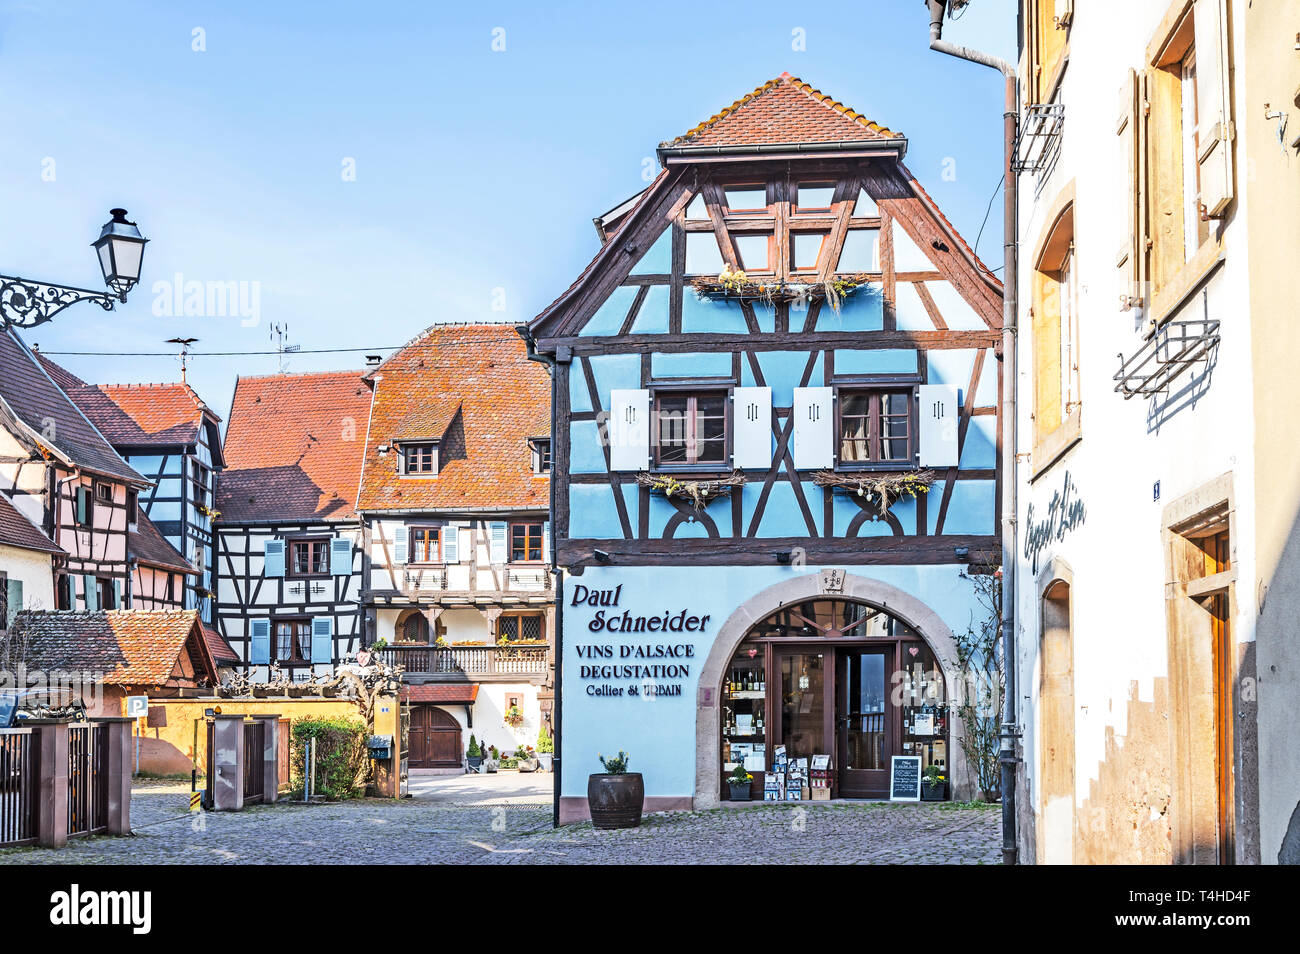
836 681
434 740
847 665
1056 724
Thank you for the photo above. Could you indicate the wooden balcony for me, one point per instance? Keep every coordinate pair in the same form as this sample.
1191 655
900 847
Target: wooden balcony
469 663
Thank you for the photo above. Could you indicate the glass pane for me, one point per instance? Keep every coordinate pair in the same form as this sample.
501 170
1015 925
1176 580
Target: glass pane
508 627
861 252
671 427
865 207
855 429
702 254
803 705
806 248
752 250
815 197
746 200
697 209
864 729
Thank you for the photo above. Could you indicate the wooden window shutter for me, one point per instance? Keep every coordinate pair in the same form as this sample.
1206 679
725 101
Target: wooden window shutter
752 424
497 530
340 556
1046 331
450 544
83 505
273 558
400 541
1133 250
117 594
90 588
628 429
13 600
259 642
546 542
322 639
813 428
937 425
1214 105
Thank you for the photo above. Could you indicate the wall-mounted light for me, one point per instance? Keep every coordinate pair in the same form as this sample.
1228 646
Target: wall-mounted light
383 449
961 552
784 556
602 557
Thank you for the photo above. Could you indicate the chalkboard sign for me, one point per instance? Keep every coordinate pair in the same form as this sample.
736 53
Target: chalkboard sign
905 778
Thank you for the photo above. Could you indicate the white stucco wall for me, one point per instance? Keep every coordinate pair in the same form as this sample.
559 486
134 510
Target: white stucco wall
34 570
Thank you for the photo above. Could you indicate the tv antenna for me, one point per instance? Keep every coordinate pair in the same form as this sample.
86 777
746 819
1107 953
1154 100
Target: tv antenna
278 334
185 350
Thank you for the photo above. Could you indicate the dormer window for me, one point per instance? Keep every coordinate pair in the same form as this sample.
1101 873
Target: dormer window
541 451
420 459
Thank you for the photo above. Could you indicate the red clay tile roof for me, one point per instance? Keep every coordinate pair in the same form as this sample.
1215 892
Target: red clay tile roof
149 546
218 648
784 110
454 694
293 447
128 647
137 415
17 531
29 395
485 463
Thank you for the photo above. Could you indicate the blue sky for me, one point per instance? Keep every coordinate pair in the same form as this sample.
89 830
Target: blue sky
477 171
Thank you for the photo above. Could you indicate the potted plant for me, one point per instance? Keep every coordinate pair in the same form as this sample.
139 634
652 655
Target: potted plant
616 796
493 761
738 781
527 758
934 785
545 748
514 717
474 754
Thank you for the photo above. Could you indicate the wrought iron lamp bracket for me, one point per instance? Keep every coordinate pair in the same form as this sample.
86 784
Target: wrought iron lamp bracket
26 304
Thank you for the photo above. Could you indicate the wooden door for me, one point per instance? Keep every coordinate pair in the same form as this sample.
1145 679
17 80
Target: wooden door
864 723
434 738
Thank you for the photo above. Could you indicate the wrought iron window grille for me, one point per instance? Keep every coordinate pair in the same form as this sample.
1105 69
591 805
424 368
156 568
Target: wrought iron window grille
1172 349
1039 137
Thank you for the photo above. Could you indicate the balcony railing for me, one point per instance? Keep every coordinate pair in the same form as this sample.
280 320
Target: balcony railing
467 661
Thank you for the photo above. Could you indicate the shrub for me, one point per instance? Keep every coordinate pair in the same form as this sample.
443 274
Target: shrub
544 742
474 751
341 759
617 764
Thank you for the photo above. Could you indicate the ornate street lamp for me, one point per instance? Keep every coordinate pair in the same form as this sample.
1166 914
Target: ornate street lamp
120 246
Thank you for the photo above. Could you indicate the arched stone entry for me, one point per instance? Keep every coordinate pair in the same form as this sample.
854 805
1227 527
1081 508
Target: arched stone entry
908 609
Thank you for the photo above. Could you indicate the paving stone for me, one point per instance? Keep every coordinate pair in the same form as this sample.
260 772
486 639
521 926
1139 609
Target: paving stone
418 831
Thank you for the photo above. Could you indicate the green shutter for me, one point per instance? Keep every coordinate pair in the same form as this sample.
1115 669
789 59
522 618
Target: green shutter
90 587
14 595
83 505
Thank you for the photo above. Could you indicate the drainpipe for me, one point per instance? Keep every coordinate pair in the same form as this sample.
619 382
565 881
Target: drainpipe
557 585
1007 758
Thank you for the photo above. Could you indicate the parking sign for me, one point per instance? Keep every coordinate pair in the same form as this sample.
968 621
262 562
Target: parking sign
137 707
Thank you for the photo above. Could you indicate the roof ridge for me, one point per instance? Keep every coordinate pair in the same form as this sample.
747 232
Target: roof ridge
795 82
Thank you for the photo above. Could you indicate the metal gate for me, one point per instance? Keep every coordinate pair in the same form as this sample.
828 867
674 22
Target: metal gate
19 771
87 779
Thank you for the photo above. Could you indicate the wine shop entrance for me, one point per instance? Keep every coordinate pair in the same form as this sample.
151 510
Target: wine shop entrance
820 695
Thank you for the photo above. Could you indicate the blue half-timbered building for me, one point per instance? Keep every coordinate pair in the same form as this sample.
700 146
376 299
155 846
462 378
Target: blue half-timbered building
776 432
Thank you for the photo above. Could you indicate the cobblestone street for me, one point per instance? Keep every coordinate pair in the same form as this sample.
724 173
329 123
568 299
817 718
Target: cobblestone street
517 831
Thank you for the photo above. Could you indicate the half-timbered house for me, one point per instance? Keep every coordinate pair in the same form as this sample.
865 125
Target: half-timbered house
288 565
65 477
776 394
454 495
168 434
